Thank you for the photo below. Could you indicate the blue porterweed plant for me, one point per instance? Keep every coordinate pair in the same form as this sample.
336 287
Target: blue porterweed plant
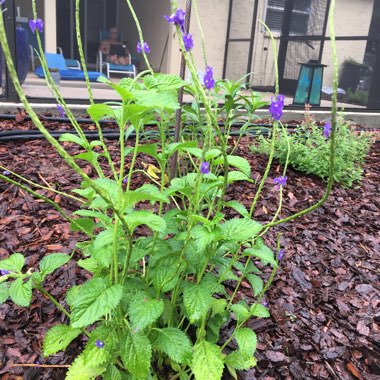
155 305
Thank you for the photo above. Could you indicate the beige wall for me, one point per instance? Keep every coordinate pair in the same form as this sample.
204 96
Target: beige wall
155 28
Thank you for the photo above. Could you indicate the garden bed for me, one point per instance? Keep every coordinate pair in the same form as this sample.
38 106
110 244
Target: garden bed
324 303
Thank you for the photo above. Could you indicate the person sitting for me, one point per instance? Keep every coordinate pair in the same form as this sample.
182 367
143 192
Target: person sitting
114 50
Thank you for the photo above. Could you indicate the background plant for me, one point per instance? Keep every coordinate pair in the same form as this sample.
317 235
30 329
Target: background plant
310 149
155 305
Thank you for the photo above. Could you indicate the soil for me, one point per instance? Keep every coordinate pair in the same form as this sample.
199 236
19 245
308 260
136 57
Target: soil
324 303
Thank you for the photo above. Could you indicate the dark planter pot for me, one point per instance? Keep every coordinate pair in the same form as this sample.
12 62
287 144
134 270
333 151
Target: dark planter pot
351 75
22 54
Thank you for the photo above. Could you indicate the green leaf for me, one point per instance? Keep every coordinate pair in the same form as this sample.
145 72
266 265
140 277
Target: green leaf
238 162
259 310
207 361
149 149
86 225
58 338
212 153
136 354
13 263
105 219
241 311
4 291
247 341
238 207
153 221
112 373
70 137
174 147
95 299
203 237
237 361
174 343
163 82
197 152
90 264
147 192
21 292
154 99
72 294
80 370
109 187
52 262
144 310
198 301
237 176
256 282
165 278
240 230
263 253
100 111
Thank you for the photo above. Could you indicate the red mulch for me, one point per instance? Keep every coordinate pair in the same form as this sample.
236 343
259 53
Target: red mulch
324 302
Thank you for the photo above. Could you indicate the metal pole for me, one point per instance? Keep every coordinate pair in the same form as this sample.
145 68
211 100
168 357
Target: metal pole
178 116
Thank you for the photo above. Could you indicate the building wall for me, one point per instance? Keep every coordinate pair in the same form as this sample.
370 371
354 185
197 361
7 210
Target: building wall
155 28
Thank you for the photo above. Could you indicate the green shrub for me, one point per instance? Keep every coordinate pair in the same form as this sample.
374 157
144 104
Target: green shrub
310 151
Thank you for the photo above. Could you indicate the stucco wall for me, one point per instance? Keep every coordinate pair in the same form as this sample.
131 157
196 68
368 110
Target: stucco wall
155 28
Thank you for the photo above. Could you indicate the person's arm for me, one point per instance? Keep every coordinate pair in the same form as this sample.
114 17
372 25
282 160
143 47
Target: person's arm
104 47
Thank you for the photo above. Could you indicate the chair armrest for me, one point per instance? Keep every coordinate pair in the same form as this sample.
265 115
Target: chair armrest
59 50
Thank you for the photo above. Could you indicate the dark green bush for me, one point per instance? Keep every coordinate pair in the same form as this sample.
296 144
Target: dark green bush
310 151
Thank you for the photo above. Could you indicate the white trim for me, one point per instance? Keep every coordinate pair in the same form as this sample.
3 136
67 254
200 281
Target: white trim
50 20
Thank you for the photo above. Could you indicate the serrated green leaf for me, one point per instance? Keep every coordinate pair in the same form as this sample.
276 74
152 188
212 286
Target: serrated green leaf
72 294
197 300
238 162
100 111
237 361
247 341
85 225
52 262
13 263
212 153
263 253
155 99
104 239
174 343
4 291
203 237
112 373
239 207
21 292
144 310
165 278
70 137
241 312
197 152
259 310
240 230
58 338
136 353
175 147
256 282
207 361
163 82
94 299
147 192
236 176
94 214
90 264
109 187
153 221
79 370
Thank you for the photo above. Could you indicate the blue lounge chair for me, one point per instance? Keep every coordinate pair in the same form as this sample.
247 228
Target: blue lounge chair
57 61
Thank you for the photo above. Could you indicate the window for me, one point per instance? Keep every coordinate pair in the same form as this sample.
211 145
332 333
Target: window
300 17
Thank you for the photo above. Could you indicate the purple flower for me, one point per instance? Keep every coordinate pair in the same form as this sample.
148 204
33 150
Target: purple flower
276 106
208 78
205 168
61 110
281 253
2 1
144 48
264 303
4 272
327 129
125 180
6 172
177 18
99 343
36 24
280 181
188 41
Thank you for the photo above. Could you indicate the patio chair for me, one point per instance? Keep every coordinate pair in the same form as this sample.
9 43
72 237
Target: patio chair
111 67
57 61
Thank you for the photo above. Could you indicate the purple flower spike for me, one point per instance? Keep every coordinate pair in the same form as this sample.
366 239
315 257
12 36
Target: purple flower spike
61 110
280 182
6 172
36 25
276 106
205 168
208 78
281 253
188 41
177 18
144 48
327 130
99 343
4 272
